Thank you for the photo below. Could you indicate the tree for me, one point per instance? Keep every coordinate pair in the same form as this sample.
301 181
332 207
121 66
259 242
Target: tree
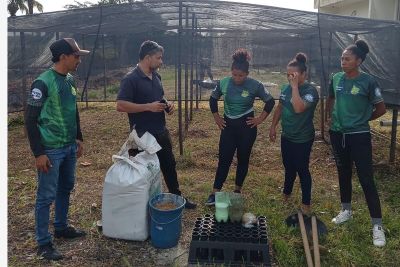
32 4
15 5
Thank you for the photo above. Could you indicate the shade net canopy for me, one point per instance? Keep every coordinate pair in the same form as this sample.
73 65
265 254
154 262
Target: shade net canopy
210 29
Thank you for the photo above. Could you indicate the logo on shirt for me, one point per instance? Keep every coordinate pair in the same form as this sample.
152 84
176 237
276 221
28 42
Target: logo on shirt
245 93
282 97
73 90
36 93
309 98
378 92
355 90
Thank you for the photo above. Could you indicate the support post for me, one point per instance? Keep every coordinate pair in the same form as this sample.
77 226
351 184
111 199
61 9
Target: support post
186 71
23 67
191 68
392 156
180 81
104 71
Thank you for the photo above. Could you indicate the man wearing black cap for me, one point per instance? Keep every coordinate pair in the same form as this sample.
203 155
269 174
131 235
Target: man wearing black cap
55 137
141 95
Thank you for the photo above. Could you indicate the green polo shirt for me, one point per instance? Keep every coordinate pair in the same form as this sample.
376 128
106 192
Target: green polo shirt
354 102
298 127
239 99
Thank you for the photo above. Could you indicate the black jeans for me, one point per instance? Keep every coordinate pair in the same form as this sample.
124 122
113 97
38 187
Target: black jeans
237 136
296 158
167 162
357 148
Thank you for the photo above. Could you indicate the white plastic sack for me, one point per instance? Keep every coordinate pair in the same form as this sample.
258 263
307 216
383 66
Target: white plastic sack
129 184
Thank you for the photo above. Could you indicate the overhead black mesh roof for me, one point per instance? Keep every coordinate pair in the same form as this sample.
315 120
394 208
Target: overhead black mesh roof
272 34
164 15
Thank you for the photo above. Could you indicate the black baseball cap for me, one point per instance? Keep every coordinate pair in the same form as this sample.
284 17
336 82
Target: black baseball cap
66 46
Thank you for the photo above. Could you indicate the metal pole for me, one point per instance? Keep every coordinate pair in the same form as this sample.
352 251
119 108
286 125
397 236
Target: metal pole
191 69
393 137
180 81
176 66
23 67
329 65
200 54
324 85
197 66
91 60
104 72
57 35
186 71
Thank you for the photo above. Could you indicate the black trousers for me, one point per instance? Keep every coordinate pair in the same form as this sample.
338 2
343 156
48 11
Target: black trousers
296 158
357 148
167 162
236 137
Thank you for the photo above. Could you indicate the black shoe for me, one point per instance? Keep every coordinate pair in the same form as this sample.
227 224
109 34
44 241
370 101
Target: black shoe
69 232
237 191
190 205
48 252
211 200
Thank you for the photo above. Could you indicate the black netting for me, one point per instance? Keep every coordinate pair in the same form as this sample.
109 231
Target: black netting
273 35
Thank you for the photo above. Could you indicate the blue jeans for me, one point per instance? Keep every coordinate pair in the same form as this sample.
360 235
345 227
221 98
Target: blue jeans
55 185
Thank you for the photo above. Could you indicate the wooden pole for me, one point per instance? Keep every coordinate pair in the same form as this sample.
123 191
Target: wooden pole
305 240
317 259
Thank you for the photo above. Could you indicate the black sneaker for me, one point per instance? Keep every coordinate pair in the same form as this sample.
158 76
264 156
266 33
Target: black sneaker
190 205
211 200
48 252
69 232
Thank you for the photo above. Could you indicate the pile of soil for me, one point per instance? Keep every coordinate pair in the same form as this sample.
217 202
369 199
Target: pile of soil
165 206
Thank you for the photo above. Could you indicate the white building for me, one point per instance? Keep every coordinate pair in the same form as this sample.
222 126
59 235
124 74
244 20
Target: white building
374 9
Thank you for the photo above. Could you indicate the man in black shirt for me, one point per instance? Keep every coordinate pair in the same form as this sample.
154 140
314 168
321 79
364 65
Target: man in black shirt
141 95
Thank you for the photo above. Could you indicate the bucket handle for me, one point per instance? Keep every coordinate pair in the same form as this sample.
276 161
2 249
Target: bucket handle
177 217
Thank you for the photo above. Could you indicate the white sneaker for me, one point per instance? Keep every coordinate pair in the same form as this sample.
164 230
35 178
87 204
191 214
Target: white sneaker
378 236
343 216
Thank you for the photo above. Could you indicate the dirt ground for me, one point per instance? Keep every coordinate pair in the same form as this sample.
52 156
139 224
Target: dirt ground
104 131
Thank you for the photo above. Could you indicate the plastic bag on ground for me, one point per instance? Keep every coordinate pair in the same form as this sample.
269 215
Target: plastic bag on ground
129 184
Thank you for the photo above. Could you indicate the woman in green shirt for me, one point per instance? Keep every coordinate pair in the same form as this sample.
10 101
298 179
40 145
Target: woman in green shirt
296 108
239 124
354 100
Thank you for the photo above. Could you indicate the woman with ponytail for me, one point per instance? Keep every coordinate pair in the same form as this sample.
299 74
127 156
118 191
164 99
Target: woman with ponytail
239 124
354 100
296 107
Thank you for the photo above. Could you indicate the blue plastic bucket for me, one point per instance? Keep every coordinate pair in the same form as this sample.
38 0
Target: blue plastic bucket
165 225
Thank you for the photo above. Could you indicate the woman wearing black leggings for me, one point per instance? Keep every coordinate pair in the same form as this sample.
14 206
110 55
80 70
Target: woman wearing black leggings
354 100
296 108
239 125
